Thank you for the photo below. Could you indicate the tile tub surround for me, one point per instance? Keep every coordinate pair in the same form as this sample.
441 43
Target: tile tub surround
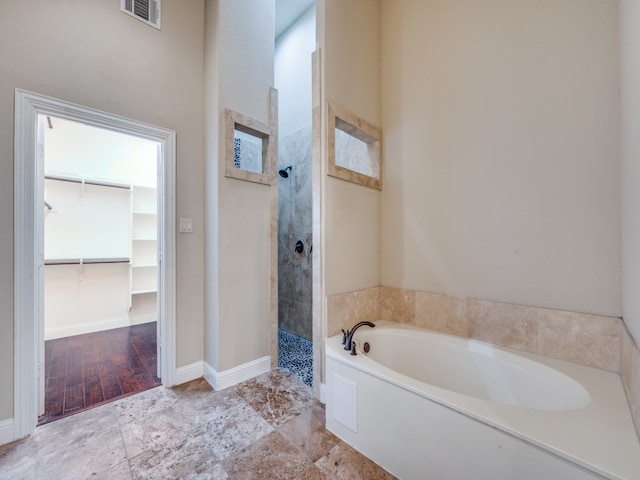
590 340
347 309
267 427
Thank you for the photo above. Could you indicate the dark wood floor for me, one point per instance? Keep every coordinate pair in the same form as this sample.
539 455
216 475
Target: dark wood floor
87 370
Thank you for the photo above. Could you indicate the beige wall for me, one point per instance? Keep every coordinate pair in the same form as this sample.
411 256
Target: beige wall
90 53
349 36
630 154
630 175
239 66
500 122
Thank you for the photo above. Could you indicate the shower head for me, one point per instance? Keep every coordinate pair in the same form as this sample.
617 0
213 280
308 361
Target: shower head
283 173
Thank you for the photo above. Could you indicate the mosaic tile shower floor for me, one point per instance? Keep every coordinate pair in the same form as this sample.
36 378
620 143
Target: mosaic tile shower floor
295 356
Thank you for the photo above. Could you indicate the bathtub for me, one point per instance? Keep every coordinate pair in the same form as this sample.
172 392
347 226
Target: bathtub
427 405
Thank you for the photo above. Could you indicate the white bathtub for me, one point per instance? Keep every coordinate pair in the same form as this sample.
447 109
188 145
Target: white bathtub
427 405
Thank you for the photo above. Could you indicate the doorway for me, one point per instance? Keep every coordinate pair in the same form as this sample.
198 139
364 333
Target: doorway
100 266
29 258
294 45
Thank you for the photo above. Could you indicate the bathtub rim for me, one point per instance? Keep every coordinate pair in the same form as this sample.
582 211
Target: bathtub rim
612 450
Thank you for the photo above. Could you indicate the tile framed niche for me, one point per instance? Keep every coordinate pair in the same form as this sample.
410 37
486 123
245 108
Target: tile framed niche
354 148
250 149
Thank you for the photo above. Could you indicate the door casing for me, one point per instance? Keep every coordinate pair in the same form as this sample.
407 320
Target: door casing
29 235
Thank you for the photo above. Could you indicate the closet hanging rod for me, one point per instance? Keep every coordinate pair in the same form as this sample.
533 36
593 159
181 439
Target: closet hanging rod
85 261
88 182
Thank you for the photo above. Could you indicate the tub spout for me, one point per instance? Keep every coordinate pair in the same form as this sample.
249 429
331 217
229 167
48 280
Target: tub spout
349 344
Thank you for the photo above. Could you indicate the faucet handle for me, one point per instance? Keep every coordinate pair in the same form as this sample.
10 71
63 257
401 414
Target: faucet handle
353 348
345 334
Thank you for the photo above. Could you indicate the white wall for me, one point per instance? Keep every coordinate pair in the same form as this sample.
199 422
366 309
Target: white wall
630 154
86 221
500 123
239 67
76 149
89 53
83 299
293 73
349 36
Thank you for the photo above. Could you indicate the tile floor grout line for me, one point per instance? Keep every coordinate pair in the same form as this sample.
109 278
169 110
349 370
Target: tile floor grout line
124 444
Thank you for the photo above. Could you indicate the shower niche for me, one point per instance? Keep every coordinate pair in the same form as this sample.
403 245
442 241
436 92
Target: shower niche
354 148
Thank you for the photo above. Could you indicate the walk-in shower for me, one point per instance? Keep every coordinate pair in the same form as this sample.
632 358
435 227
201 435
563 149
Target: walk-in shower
295 43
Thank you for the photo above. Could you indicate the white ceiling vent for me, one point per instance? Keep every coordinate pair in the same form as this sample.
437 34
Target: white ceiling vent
147 11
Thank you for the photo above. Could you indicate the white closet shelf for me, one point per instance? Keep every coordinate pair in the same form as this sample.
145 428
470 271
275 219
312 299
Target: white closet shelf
140 292
87 181
144 239
85 261
144 212
144 265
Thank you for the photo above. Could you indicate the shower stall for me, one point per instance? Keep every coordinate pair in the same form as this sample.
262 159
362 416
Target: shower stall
295 246
293 49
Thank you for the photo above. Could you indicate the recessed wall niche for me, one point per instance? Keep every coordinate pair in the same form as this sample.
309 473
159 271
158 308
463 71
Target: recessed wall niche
249 149
354 148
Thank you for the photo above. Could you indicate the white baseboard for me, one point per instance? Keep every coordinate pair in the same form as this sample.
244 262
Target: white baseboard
6 431
323 393
189 372
60 332
235 375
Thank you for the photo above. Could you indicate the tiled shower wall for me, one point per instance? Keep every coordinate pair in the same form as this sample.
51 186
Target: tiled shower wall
592 340
294 223
247 154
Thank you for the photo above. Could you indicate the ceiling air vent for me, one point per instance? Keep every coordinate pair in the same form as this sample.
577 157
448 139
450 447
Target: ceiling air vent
147 11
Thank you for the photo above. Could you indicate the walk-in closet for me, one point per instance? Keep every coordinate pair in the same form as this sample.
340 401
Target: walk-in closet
100 266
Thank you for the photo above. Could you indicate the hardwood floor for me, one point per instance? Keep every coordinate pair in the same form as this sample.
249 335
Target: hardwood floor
87 370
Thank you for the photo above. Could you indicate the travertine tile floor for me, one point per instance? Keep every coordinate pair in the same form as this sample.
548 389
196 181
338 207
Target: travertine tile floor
269 427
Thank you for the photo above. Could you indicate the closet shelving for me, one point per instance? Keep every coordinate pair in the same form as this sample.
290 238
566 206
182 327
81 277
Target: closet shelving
76 218
86 181
144 241
84 261
143 247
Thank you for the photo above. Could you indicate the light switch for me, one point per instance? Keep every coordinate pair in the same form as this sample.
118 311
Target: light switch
186 225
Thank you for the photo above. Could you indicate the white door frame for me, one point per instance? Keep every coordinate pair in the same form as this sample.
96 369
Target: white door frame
28 231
